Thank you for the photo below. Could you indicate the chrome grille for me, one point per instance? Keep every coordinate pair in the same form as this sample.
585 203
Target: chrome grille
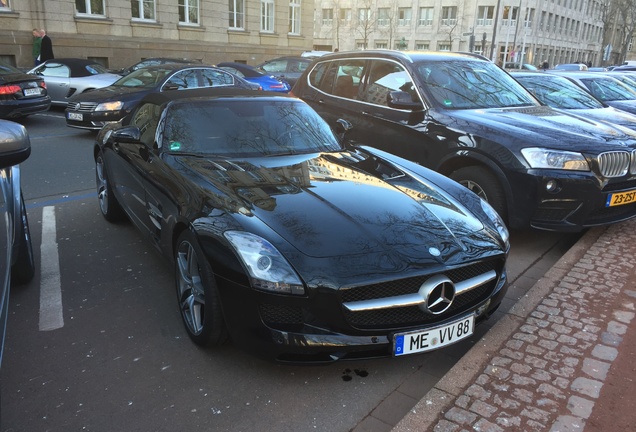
632 166
614 164
82 106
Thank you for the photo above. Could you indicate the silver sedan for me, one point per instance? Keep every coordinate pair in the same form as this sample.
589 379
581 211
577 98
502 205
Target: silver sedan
70 76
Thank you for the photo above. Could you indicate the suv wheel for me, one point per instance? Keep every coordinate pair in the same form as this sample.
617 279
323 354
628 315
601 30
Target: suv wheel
485 184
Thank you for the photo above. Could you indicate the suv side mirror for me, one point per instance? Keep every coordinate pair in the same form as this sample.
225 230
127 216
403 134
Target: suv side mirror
15 146
402 100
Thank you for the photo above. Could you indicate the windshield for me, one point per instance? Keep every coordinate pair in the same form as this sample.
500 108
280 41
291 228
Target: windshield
246 128
559 92
471 85
143 78
608 89
95 68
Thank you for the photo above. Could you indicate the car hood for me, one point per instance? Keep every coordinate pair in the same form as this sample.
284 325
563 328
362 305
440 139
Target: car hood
544 125
341 204
110 93
105 79
626 105
608 114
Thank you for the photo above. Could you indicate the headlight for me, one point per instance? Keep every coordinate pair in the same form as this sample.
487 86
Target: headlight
109 106
267 268
555 159
496 220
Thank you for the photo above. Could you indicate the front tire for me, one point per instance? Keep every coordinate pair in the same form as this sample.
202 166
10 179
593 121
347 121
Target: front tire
485 184
197 293
108 204
24 268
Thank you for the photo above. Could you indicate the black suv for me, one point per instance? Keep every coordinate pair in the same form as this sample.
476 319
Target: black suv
468 119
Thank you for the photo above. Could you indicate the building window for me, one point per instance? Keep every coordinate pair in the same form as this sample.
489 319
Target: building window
383 17
364 14
381 45
267 16
237 14
361 45
294 17
422 46
142 9
485 14
444 47
327 16
5 4
345 15
404 16
510 16
89 7
449 15
189 11
426 16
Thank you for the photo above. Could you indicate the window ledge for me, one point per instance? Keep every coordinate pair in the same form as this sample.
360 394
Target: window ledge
93 19
145 23
187 26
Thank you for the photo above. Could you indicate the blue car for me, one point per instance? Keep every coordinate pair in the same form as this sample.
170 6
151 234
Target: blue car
251 74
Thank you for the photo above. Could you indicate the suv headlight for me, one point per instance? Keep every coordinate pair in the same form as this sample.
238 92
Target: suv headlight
555 159
109 106
268 269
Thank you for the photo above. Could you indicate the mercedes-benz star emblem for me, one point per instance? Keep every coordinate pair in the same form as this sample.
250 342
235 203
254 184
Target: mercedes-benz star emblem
438 293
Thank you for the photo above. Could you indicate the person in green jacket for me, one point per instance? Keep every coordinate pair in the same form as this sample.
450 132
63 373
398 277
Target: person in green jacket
37 46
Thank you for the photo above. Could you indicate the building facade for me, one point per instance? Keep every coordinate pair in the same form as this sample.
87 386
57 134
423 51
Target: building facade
118 33
527 31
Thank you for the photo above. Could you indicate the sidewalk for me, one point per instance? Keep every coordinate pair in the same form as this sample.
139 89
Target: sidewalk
543 365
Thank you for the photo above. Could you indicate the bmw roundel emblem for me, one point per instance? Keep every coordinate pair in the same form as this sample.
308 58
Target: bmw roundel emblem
434 251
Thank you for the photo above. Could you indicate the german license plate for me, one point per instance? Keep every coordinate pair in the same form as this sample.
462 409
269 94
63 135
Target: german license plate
31 91
432 339
620 198
75 116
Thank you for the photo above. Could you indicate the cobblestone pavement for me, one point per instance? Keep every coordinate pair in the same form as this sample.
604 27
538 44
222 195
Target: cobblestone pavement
543 365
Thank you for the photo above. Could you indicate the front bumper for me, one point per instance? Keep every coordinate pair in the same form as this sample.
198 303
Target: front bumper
575 201
318 329
93 120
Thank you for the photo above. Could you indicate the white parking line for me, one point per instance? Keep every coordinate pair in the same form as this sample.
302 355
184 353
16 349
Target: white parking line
51 316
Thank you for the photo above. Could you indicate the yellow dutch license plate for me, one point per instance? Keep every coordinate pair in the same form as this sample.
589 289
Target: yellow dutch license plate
620 198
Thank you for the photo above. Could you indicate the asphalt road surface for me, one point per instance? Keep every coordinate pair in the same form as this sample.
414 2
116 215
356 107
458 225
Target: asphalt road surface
95 342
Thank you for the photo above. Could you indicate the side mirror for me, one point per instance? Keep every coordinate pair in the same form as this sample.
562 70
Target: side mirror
402 100
15 146
130 134
343 126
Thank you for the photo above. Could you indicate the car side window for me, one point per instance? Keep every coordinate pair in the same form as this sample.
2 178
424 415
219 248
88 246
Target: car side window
55 70
183 80
275 66
146 118
385 77
216 78
339 78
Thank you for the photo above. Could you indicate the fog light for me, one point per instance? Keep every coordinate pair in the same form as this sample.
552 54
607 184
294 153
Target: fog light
482 309
552 186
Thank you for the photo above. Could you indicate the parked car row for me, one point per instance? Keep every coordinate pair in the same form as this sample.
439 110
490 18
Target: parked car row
340 222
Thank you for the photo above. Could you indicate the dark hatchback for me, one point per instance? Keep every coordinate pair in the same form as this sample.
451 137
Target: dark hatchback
300 249
21 94
93 109
466 118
